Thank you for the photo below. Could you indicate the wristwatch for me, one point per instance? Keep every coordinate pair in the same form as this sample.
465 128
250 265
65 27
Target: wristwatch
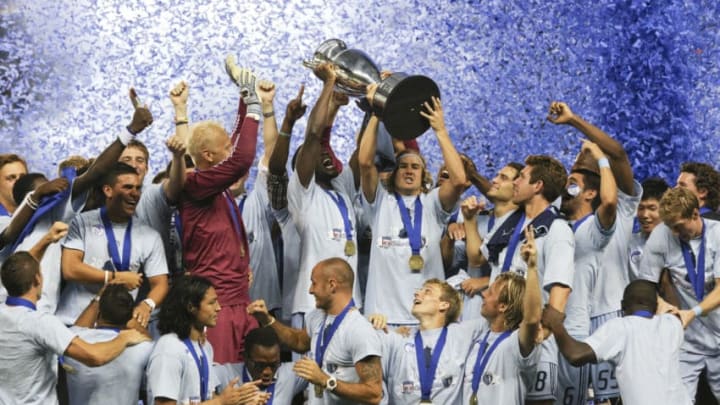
331 384
150 303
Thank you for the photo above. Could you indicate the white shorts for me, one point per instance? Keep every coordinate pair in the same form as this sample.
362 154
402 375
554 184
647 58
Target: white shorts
544 383
602 375
573 382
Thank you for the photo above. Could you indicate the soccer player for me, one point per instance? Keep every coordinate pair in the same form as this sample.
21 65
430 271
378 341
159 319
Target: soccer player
648 217
344 365
643 347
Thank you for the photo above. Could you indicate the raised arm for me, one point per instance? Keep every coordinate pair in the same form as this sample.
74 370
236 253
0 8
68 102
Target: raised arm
366 156
57 231
576 352
142 118
532 300
266 91
176 144
560 113
310 153
293 112
297 340
451 190
608 188
27 208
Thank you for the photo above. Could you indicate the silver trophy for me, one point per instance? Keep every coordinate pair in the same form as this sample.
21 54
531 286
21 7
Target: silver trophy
398 99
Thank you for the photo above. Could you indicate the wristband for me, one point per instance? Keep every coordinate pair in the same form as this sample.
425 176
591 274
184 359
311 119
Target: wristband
603 163
272 321
697 310
95 299
126 137
269 114
181 123
107 275
150 302
30 202
283 133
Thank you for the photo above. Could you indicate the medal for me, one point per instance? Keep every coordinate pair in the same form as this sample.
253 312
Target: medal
473 399
319 389
349 248
416 263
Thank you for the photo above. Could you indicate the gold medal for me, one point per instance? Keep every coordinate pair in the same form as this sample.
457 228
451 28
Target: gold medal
319 390
416 263
349 248
473 399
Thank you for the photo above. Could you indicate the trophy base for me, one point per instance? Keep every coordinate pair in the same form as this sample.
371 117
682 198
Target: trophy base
398 102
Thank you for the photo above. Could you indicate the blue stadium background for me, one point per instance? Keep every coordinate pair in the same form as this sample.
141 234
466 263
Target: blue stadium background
645 71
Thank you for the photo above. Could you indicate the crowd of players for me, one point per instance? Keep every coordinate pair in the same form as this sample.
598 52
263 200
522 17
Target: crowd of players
386 285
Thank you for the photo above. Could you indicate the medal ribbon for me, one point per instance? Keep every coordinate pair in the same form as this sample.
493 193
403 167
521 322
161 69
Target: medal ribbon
512 245
643 313
344 213
124 264
696 271
484 356
414 227
203 368
324 338
427 371
19 302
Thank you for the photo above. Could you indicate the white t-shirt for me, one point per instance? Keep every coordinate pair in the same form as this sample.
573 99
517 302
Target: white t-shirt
255 213
590 242
391 283
636 246
354 340
645 353
154 210
87 234
663 250
30 342
287 383
400 361
291 259
115 383
504 378
613 276
172 372
322 235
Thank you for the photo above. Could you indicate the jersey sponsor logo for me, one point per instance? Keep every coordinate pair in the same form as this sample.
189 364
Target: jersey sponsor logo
408 387
337 234
251 237
488 379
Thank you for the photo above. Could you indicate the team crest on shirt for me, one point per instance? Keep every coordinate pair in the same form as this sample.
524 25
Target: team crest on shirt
489 379
98 230
331 367
409 347
447 381
408 387
251 237
635 256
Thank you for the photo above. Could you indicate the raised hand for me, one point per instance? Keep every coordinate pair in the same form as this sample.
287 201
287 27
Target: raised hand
592 149
142 117
57 231
259 310
559 113
179 94
339 98
470 207
266 91
551 317
434 114
474 286
296 108
326 72
176 145
528 250
50 187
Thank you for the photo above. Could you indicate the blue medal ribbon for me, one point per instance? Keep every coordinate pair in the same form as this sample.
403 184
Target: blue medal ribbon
124 264
579 222
696 271
512 245
246 378
4 212
108 328
491 221
20 302
483 357
705 210
324 338
427 371
644 313
233 213
414 227
344 213
203 368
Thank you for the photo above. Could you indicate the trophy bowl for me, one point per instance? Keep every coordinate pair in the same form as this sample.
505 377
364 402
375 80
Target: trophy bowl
399 97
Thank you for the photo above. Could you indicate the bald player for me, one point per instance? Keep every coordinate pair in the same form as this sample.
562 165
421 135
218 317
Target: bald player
343 367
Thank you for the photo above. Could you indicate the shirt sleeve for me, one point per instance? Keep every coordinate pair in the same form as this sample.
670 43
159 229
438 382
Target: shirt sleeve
155 263
75 238
558 249
164 376
653 259
50 333
599 236
298 196
442 216
528 362
365 341
608 342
